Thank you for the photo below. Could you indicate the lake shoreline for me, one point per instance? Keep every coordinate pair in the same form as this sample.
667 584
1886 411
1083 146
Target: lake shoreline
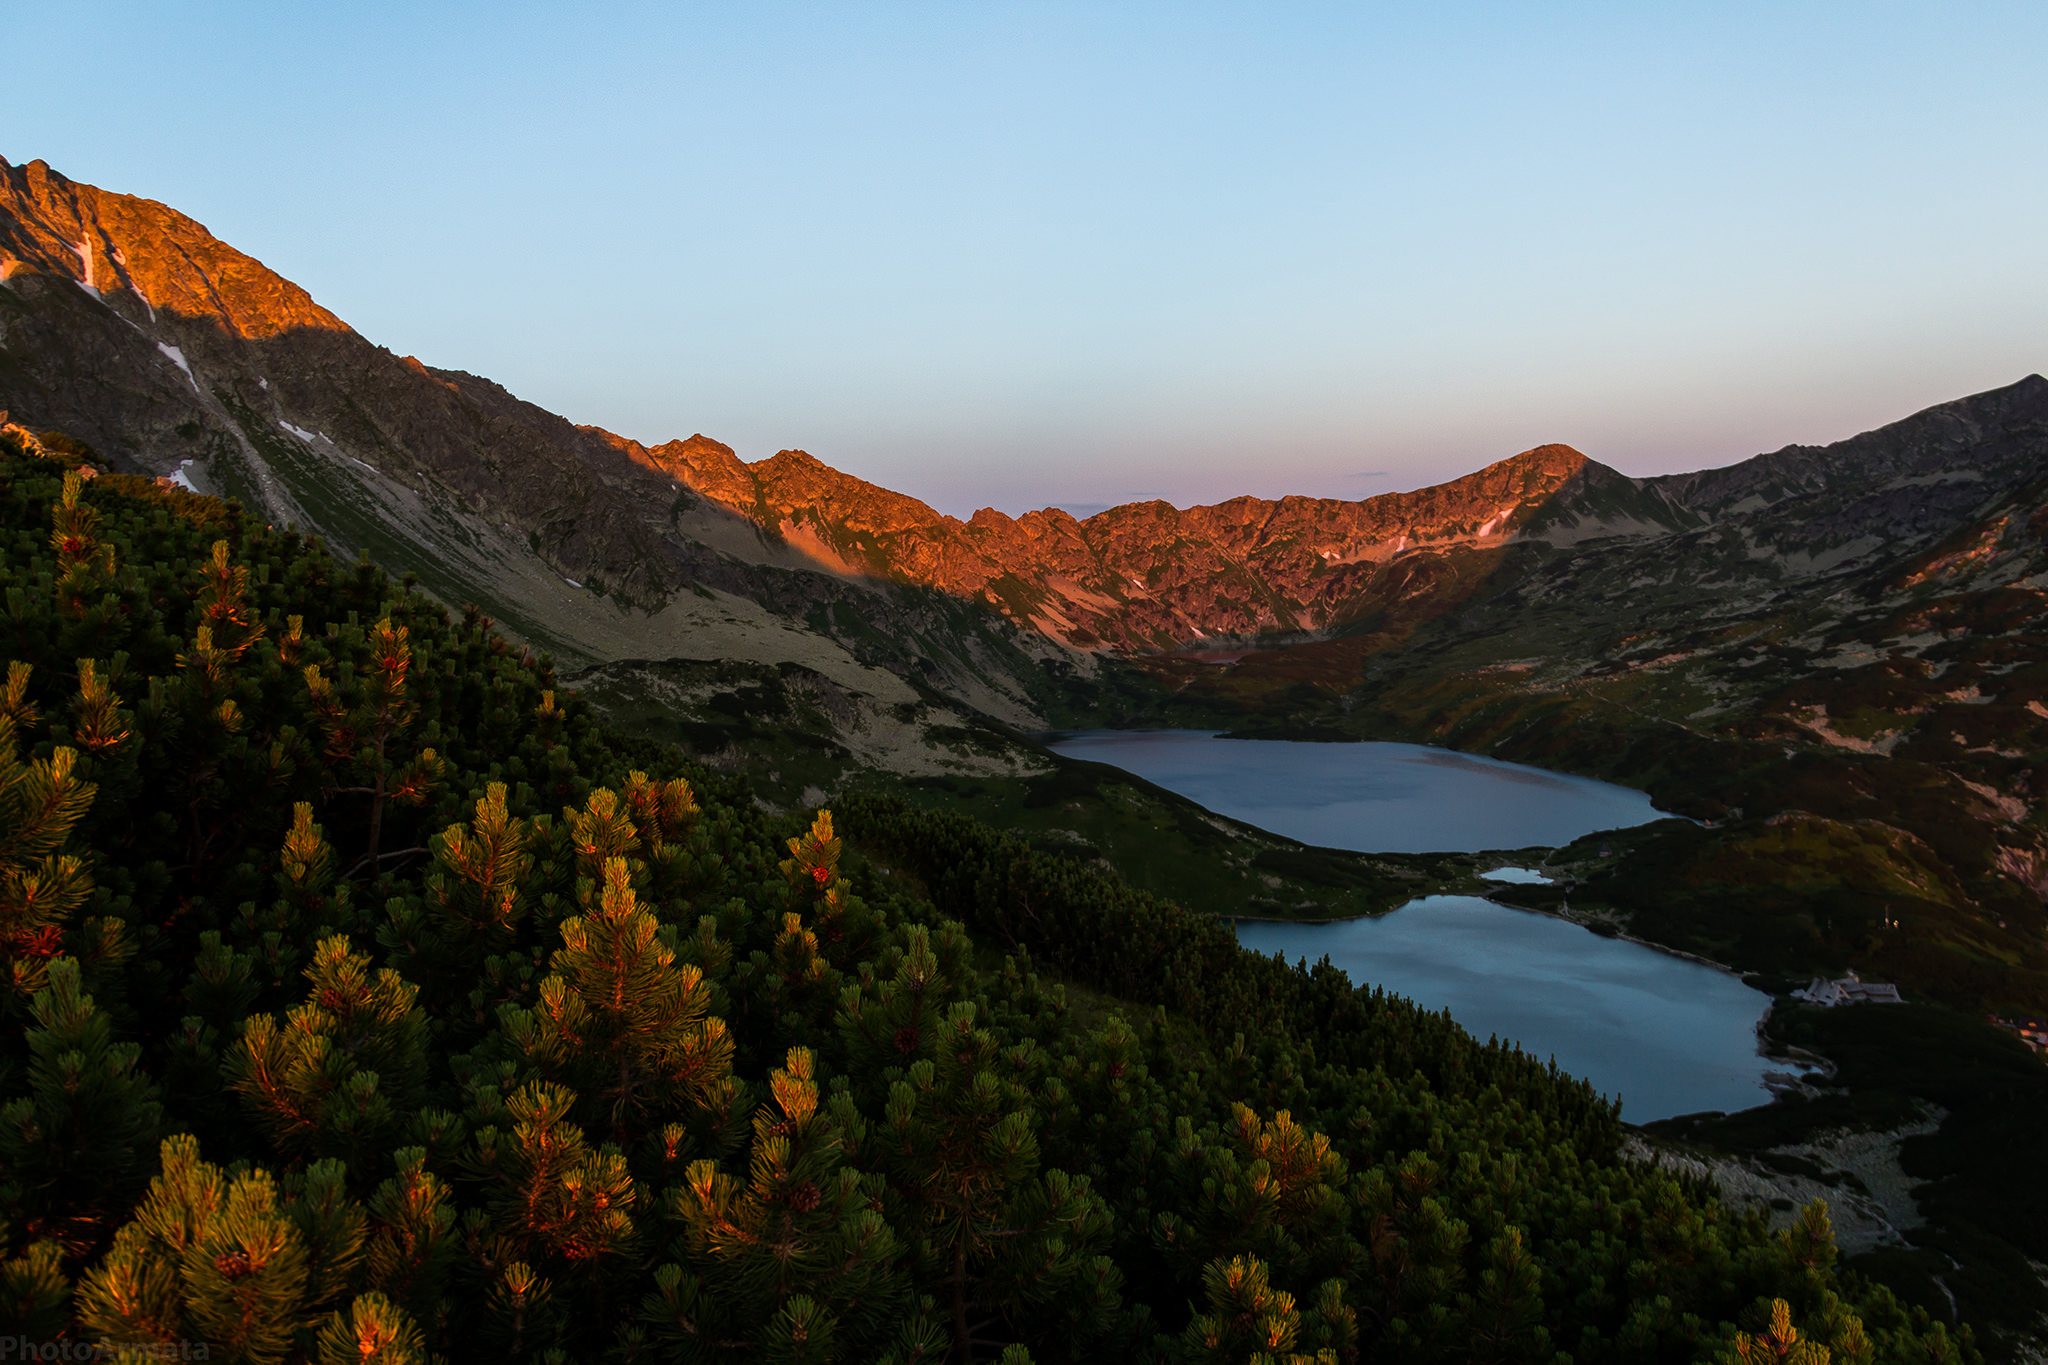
1368 797
1621 934
1669 1033
1626 937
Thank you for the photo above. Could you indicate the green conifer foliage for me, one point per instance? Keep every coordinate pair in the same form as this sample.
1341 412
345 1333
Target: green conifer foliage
793 975
335 1075
524 1314
72 1151
1275 1188
558 1197
617 1013
1249 1321
841 921
310 893
333 1226
40 886
223 984
602 831
197 727
291 645
85 566
667 814
1503 1318
371 1331
812 869
16 710
796 1261
478 869
99 726
1810 1242
222 605
220 1258
890 1014
412 1242
210 670
1779 1344
1416 1254
457 938
367 720
814 855
245 1278
1002 1240
35 1293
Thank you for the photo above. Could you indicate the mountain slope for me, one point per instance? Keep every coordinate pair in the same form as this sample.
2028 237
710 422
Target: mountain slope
199 353
126 325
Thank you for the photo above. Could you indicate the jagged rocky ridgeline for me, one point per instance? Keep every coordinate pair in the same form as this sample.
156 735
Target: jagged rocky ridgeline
129 326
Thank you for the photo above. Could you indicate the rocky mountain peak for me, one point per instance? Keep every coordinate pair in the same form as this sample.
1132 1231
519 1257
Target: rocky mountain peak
206 362
115 244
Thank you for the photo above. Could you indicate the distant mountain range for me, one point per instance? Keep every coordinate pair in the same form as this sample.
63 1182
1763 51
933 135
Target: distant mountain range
132 328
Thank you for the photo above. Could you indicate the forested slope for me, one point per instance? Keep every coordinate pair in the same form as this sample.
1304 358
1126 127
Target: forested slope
365 1000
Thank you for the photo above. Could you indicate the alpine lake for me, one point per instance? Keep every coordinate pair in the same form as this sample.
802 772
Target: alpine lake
1663 1034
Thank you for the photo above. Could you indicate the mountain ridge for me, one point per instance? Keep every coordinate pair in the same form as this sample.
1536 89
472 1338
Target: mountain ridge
211 364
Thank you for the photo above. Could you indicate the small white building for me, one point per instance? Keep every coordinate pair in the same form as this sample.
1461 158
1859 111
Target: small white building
1848 990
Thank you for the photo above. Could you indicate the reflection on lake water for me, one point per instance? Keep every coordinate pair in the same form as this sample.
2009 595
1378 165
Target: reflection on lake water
1666 1035
1374 798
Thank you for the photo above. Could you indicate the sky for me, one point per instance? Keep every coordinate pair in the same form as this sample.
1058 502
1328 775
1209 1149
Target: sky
1033 254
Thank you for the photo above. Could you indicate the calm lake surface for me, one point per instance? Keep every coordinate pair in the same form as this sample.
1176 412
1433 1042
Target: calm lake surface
1666 1035
1373 798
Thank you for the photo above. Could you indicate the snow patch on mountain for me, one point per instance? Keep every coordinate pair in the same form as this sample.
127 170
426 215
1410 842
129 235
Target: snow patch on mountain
177 357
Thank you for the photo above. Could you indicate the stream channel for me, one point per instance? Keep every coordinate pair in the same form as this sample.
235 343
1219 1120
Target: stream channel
1663 1034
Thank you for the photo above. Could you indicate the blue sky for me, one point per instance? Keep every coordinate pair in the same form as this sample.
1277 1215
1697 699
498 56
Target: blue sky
1020 254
